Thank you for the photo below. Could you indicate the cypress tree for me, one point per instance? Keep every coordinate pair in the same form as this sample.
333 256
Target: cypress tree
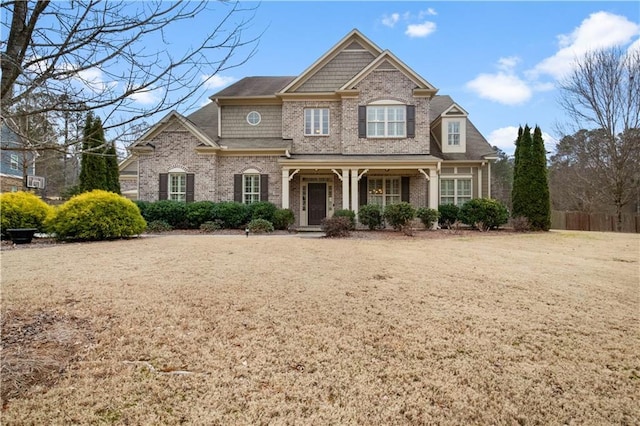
540 208
521 196
93 166
112 172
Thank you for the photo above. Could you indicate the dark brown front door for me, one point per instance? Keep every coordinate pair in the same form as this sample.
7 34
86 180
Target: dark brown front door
317 202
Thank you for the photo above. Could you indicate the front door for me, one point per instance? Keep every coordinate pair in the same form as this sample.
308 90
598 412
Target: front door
317 202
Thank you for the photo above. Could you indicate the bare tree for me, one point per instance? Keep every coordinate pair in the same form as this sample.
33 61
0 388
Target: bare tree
602 95
93 55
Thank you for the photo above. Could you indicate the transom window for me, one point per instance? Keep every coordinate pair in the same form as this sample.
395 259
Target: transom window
455 191
14 161
254 118
383 191
316 121
250 188
177 187
386 121
453 133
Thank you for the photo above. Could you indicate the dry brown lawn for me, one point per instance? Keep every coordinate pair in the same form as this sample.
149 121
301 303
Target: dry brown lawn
201 329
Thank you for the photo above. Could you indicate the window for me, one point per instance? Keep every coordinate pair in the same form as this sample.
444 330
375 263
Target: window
383 191
453 133
254 118
250 188
386 121
177 187
455 191
316 121
14 161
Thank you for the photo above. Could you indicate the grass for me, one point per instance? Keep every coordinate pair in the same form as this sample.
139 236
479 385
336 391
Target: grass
490 329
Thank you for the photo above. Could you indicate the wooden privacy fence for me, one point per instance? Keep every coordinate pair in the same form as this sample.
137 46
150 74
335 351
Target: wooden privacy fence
579 221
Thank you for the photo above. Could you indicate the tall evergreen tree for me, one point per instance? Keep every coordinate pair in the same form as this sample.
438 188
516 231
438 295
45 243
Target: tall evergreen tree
93 166
540 207
112 171
520 197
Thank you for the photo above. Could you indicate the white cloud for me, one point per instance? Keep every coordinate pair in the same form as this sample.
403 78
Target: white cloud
390 20
429 12
146 96
509 63
420 30
216 81
634 46
599 30
502 87
505 139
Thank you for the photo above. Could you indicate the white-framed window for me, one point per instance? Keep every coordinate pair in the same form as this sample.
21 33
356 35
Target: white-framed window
455 191
386 121
15 161
254 118
14 188
383 191
453 133
250 188
316 121
177 187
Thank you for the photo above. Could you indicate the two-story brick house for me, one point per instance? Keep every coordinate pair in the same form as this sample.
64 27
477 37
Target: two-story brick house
357 127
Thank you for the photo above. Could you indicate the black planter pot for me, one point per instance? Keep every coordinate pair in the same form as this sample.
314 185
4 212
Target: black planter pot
21 235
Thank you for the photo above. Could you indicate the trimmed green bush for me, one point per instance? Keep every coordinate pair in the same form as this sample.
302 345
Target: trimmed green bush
448 214
283 219
262 210
232 215
210 226
158 226
427 216
484 213
370 216
143 206
172 212
349 214
199 212
23 210
97 215
336 226
399 215
259 226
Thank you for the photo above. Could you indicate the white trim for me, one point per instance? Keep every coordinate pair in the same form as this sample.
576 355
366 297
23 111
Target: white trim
304 191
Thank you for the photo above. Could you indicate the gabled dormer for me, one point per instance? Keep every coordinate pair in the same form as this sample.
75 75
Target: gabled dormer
449 125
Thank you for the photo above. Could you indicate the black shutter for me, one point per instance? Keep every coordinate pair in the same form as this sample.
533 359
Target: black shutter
411 121
362 121
237 188
190 187
363 191
264 187
404 189
164 185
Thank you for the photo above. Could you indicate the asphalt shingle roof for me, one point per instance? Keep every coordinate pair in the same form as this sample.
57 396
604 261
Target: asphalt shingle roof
255 86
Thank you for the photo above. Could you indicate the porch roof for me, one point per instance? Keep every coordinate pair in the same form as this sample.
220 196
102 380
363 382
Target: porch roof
328 161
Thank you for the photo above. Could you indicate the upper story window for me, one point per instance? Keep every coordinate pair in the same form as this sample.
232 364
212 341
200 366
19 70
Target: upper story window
254 118
177 190
316 121
386 121
453 133
14 161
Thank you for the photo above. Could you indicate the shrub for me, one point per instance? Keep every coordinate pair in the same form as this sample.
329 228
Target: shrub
336 226
199 212
262 210
370 216
259 226
158 226
210 226
484 213
399 215
97 215
172 212
143 206
23 210
448 214
349 214
283 218
520 224
231 215
427 216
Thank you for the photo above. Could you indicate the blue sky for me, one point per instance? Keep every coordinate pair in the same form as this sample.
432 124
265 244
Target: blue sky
498 60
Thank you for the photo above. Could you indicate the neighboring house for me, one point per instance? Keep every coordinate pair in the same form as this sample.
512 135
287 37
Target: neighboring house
13 163
357 127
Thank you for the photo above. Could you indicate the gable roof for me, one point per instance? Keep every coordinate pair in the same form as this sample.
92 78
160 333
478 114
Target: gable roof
166 121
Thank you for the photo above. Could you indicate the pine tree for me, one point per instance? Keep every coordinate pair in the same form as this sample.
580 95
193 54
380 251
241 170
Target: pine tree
93 167
540 208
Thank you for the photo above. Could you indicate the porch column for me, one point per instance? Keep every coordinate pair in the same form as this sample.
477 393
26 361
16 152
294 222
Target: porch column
354 191
345 188
433 188
285 188
479 181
